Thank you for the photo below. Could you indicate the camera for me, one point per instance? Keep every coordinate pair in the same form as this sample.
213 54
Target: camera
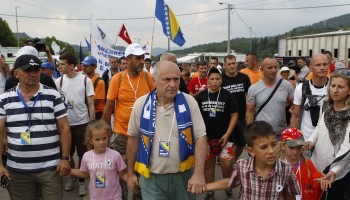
36 43
312 103
4 181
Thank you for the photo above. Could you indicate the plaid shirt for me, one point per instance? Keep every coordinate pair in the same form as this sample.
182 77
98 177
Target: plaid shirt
254 187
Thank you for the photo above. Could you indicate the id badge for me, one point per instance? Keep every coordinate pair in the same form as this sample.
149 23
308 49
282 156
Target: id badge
100 180
164 148
212 112
70 104
25 138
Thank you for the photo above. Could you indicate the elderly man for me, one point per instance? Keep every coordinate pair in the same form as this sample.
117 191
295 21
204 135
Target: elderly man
166 137
38 135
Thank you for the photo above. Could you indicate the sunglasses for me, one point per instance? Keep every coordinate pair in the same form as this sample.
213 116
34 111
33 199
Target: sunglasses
342 71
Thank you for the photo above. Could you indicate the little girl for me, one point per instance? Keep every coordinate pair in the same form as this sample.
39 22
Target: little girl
103 165
309 179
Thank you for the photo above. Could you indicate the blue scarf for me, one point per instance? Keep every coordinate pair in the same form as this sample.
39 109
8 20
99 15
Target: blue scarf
185 130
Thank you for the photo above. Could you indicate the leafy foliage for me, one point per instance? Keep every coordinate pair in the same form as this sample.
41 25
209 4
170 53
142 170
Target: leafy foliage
6 36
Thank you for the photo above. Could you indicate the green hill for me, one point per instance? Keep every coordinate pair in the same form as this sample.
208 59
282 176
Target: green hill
269 45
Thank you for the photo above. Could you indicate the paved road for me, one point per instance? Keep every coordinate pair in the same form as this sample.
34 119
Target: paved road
73 195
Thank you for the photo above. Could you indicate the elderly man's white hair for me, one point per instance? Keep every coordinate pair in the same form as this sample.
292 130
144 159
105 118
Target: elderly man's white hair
167 56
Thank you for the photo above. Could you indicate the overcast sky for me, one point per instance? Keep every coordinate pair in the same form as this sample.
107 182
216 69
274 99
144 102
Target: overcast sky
197 28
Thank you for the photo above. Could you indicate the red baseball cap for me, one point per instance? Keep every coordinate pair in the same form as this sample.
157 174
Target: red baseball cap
293 137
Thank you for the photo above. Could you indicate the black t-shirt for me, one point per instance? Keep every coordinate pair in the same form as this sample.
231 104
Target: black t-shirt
238 86
224 107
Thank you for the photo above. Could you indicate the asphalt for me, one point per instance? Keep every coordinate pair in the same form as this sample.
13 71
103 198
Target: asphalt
73 195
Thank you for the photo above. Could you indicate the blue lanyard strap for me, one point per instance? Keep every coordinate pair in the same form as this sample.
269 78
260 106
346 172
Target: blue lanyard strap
26 106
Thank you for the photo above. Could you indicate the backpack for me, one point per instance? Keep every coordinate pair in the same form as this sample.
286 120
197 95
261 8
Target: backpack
312 104
96 81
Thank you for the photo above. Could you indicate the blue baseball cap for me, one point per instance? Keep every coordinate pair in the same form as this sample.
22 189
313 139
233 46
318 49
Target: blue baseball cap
89 60
47 65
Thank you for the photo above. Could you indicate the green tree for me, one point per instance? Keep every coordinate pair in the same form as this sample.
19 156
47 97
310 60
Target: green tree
6 37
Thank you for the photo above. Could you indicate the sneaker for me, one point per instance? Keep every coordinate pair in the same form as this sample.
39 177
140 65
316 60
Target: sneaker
210 196
82 189
70 184
229 195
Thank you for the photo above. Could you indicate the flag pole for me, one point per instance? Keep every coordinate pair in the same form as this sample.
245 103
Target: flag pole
154 23
116 39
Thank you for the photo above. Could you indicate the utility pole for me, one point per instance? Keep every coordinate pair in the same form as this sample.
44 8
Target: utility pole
229 7
17 26
250 39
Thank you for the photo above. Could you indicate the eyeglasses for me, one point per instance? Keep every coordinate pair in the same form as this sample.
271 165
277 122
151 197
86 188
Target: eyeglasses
341 71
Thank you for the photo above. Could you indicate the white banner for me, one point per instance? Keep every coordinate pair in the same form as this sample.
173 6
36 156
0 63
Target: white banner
102 53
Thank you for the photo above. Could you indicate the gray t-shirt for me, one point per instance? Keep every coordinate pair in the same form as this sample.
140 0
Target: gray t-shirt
274 111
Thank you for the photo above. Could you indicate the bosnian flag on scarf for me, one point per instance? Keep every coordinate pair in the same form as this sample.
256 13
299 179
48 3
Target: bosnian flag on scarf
123 34
171 27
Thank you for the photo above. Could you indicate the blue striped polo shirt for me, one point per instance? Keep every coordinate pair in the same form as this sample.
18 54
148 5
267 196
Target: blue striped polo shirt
43 151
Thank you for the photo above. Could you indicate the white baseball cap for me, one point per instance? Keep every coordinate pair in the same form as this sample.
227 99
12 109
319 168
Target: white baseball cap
134 49
27 50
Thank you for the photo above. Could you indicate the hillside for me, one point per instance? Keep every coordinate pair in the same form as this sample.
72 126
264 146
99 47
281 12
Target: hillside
269 45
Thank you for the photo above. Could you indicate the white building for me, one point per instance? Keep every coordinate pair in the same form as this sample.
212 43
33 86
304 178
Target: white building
205 56
337 42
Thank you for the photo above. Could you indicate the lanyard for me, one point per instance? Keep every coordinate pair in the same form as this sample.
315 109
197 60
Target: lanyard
171 130
26 106
132 87
199 81
217 99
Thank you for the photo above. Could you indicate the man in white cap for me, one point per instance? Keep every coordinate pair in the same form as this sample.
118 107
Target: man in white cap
124 88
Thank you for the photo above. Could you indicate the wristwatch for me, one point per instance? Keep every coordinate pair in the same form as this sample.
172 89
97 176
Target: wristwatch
65 158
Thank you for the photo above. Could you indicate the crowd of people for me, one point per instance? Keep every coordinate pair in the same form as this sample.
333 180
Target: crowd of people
158 129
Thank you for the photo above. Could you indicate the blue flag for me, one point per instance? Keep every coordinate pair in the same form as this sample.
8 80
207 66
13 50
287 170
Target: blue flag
81 56
88 44
171 27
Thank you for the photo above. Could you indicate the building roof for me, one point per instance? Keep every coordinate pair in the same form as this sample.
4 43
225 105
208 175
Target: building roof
334 33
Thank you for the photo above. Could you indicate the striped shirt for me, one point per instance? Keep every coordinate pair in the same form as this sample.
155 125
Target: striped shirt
43 150
254 187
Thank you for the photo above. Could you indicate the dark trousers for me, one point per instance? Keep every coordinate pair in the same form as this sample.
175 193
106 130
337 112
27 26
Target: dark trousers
338 190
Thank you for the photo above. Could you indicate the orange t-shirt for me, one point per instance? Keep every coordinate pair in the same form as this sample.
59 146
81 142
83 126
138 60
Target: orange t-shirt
311 75
100 94
125 97
254 76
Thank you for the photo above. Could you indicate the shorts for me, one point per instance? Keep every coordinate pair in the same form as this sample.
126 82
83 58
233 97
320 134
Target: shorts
227 152
238 136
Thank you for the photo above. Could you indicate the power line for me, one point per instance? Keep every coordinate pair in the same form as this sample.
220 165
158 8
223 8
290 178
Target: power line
299 8
277 2
106 19
244 22
185 14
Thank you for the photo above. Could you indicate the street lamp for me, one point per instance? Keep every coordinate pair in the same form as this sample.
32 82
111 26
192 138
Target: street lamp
229 7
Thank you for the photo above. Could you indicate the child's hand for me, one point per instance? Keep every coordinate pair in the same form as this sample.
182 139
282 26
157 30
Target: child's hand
324 183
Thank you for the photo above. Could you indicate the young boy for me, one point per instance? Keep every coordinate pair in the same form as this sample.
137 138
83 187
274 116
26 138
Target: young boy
263 175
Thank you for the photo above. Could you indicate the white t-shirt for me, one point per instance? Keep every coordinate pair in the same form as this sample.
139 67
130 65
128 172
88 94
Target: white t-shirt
306 126
2 83
73 90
